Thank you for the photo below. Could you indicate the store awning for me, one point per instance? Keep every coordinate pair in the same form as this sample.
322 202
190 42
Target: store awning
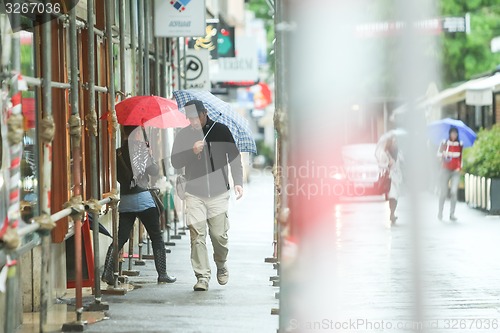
475 92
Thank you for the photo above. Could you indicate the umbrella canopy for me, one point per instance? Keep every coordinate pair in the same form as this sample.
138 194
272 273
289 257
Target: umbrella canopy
173 118
221 112
397 132
381 144
102 229
137 110
439 131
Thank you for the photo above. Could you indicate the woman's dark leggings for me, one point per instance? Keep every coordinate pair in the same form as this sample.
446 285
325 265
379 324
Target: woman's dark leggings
150 220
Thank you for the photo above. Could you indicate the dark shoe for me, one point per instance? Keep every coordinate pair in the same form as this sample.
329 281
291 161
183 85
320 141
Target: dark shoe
107 273
453 218
201 285
165 278
222 276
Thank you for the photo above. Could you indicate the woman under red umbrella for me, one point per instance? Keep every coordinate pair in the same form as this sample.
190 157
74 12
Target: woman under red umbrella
135 165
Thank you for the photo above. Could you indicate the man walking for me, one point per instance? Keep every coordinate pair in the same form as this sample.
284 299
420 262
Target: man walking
204 149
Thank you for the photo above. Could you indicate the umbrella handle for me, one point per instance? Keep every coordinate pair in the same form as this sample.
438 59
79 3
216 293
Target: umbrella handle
215 121
145 136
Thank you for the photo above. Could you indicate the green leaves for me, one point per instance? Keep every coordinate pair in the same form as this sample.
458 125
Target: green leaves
483 159
464 56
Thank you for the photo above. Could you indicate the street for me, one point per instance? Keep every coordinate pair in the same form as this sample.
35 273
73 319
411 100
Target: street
368 265
358 273
364 270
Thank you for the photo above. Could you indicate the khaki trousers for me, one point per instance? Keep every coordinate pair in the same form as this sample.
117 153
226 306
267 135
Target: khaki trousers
211 212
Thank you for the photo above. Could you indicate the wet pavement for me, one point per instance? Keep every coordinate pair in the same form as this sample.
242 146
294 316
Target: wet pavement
359 274
243 305
362 274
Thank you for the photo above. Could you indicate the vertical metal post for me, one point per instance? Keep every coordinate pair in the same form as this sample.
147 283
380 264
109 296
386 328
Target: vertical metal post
184 60
164 70
130 250
93 144
123 88
147 86
46 167
75 132
16 48
146 92
11 285
121 22
283 111
280 123
140 47
98 305
129 271
133 37
170 68
178 53
158 73
113 129
278 16
163 66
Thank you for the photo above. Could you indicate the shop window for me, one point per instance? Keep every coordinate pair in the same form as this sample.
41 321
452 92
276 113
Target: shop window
487 116
449 111
462 111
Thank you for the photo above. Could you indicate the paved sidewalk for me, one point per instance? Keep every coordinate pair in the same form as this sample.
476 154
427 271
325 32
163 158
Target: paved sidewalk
361 268
243 305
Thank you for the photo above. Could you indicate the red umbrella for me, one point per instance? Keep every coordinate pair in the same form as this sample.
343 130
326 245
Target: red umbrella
139 110
174 118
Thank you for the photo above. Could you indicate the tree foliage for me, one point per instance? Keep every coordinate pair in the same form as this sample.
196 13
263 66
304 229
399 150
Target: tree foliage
466 55
483 158
262 11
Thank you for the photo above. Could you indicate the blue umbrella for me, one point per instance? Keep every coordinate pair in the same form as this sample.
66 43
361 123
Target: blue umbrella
439 131
221 112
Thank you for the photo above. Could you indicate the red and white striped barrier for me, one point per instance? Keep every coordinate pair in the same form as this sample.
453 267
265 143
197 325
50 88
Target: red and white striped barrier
17 86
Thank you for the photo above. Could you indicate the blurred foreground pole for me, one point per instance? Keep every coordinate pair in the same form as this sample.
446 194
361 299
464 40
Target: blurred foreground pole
331 81
416 71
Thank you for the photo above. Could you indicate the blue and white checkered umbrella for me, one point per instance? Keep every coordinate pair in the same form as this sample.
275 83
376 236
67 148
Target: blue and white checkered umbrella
221 112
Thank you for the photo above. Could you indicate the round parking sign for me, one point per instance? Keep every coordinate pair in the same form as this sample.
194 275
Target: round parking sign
194 67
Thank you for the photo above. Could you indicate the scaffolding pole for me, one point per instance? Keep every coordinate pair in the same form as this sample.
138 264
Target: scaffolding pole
163 72
75 129
45 137
92 125
147 86
157 67
140 47
113 127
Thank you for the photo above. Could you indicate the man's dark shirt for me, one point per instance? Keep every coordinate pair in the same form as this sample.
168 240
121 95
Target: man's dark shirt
207 172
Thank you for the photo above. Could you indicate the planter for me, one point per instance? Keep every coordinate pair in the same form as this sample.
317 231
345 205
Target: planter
483 193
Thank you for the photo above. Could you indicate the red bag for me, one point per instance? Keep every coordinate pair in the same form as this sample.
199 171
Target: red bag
384 181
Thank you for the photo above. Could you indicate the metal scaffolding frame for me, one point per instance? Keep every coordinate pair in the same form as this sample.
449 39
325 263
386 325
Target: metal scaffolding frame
38 233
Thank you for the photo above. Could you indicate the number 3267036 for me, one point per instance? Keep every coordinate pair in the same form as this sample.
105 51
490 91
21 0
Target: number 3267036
32 8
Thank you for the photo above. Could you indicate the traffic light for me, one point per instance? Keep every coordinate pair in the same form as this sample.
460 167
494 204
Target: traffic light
225 41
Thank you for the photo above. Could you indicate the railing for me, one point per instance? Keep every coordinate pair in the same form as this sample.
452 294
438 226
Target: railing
34 235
